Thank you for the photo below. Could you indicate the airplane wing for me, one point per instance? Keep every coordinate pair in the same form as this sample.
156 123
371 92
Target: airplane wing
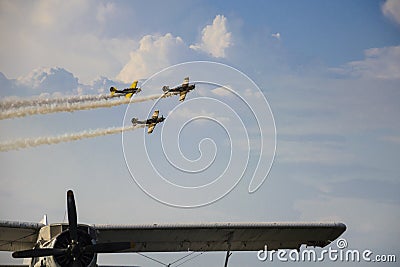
134 84
18 235
128 95
220 236
155 114
151 128
182 95
185 82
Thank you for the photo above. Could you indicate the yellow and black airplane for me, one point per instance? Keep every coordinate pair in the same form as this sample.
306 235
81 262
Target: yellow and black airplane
128 92
151 123
182 89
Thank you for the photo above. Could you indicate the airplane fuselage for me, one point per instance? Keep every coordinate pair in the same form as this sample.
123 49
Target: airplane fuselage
156 120
55 236
182 88
148 121
127 91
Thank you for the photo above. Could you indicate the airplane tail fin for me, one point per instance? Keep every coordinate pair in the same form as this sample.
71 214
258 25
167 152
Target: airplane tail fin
134 121
165 88
185 82
129 95
44 220
113 90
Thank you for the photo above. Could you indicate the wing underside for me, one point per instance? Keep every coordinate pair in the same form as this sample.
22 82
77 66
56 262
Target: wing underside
151 128
182 95
18 235
128 95
221 237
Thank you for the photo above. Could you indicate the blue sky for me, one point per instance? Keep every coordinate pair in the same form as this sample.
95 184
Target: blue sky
329 71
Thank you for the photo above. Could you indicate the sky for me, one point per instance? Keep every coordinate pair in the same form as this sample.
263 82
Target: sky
294 116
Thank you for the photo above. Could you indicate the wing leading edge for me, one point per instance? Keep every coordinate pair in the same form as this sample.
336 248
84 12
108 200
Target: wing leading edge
150 128
221 236
182 96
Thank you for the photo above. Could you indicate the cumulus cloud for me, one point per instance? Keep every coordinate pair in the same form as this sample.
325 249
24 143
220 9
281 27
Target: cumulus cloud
379 63
72 34
43 81
53 81
156 52
153 54
222 91
276 35
60 14
391 9
215 38
82 37
104 11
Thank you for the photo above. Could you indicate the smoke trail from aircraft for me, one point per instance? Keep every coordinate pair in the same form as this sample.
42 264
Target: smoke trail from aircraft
50 140
20 103
67 107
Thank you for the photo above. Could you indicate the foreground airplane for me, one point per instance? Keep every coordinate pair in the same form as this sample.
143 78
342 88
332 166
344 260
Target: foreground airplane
151 123
128 92
182 90
77 245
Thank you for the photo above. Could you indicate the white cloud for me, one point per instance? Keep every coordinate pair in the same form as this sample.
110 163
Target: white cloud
276 35
222 91
154 54
215 38
59 14
104 11
379 63
49 79
61 33
91 39
391 9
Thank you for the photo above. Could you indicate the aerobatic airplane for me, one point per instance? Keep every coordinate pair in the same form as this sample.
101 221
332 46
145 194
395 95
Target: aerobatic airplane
182 89
77 245
151 123
128 92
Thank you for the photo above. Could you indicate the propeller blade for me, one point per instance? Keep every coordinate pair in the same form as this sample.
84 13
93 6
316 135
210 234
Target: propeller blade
40 252
109 247
72 216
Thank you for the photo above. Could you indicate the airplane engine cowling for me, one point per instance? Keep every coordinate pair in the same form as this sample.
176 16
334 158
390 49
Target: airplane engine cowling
63 241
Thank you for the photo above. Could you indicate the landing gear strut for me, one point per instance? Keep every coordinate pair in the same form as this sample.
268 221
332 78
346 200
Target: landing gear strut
228 254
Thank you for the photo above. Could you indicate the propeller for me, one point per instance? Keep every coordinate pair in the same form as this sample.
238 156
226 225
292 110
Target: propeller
35 253
72 217
73 247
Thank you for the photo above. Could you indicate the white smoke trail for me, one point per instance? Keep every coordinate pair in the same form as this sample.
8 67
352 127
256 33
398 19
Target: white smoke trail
20 103
50 140
66 107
